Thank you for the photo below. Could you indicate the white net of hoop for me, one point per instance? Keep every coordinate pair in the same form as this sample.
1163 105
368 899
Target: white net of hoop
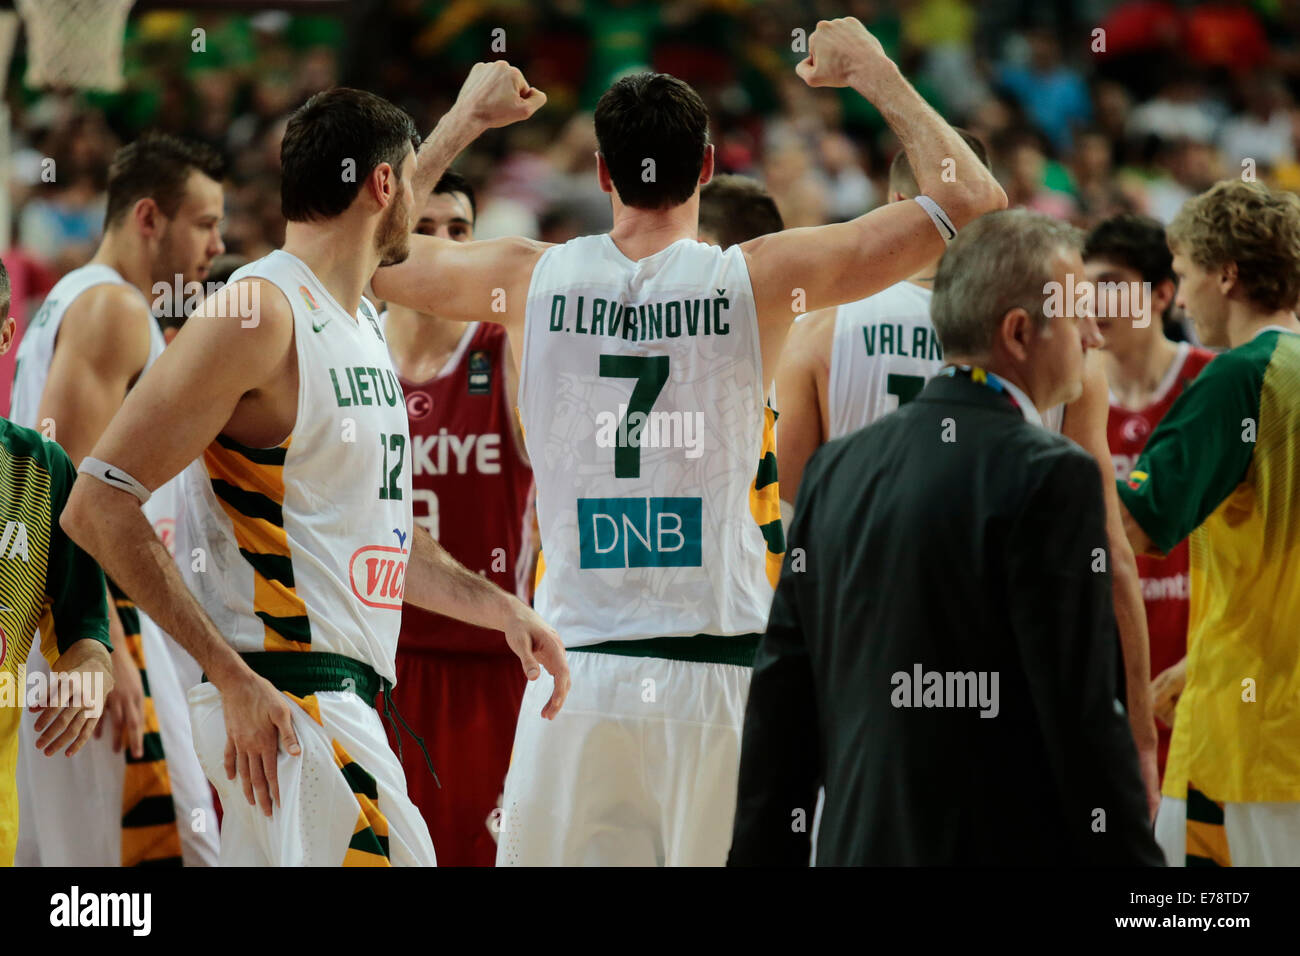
74 44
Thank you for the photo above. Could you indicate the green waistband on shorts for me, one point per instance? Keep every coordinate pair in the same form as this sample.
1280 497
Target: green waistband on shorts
706 648
305 673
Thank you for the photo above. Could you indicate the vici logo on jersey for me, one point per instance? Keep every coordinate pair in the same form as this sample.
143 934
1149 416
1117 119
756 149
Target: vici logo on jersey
378 574
639 532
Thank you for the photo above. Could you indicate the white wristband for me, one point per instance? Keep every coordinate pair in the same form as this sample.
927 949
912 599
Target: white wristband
939 218
114 477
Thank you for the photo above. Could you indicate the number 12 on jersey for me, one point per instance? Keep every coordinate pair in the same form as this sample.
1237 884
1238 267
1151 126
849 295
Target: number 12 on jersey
390 487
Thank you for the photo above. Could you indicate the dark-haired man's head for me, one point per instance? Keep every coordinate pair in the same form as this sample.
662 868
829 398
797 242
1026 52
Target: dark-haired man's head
653 134
346 145
902 180
7 324
167 190
1127 259
735 209
450 210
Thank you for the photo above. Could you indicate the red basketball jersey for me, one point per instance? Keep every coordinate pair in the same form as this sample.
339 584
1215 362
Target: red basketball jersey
1164 580
470 482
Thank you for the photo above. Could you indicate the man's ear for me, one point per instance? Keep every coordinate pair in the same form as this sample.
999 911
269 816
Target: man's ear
148 217
8 329
706 170
1228 278
382 184
1161 296
602 174
1015 334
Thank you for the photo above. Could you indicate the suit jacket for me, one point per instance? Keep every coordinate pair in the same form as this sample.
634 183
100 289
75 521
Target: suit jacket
947 543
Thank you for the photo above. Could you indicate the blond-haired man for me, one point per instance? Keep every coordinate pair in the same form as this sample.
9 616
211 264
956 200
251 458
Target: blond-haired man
1222 467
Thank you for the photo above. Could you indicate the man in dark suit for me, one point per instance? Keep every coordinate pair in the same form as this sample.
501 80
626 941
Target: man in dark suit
941 652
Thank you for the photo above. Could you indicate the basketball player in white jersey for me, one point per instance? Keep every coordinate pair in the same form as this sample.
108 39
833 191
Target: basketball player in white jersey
846 367
646 356
298 507
86 347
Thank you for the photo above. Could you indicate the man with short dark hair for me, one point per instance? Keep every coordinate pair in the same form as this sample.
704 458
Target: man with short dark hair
941 652
89 344
735 209
1129 264
294 455
647 357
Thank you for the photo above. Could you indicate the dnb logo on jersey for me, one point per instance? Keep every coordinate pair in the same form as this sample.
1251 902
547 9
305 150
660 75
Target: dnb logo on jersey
639 532
480 373
378 574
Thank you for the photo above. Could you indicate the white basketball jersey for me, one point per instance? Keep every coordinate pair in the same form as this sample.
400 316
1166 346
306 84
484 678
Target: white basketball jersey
883 351
641 398
304 546
36 351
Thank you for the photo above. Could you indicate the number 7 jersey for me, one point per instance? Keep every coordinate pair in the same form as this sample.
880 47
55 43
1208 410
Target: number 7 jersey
641 399
304 546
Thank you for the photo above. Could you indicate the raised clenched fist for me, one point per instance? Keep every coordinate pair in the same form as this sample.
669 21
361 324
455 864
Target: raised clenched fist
496 94
842 53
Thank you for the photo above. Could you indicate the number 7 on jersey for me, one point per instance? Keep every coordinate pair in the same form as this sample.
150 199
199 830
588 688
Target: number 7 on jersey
651 373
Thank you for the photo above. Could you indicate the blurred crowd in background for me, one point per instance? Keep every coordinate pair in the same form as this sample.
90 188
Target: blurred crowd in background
1088 108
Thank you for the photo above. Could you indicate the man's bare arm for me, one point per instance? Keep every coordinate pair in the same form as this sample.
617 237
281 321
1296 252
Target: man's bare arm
166 422
1138 539
102 347
464 281
1085 422
849 261
438 582
171 415
799 430
468 282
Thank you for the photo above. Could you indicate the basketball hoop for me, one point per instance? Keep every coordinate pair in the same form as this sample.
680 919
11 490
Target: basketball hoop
74 44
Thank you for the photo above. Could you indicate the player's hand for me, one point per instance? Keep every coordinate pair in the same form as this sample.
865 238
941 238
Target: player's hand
496 94
1166 688
73 708
842 53
534 642
259 721
125 705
